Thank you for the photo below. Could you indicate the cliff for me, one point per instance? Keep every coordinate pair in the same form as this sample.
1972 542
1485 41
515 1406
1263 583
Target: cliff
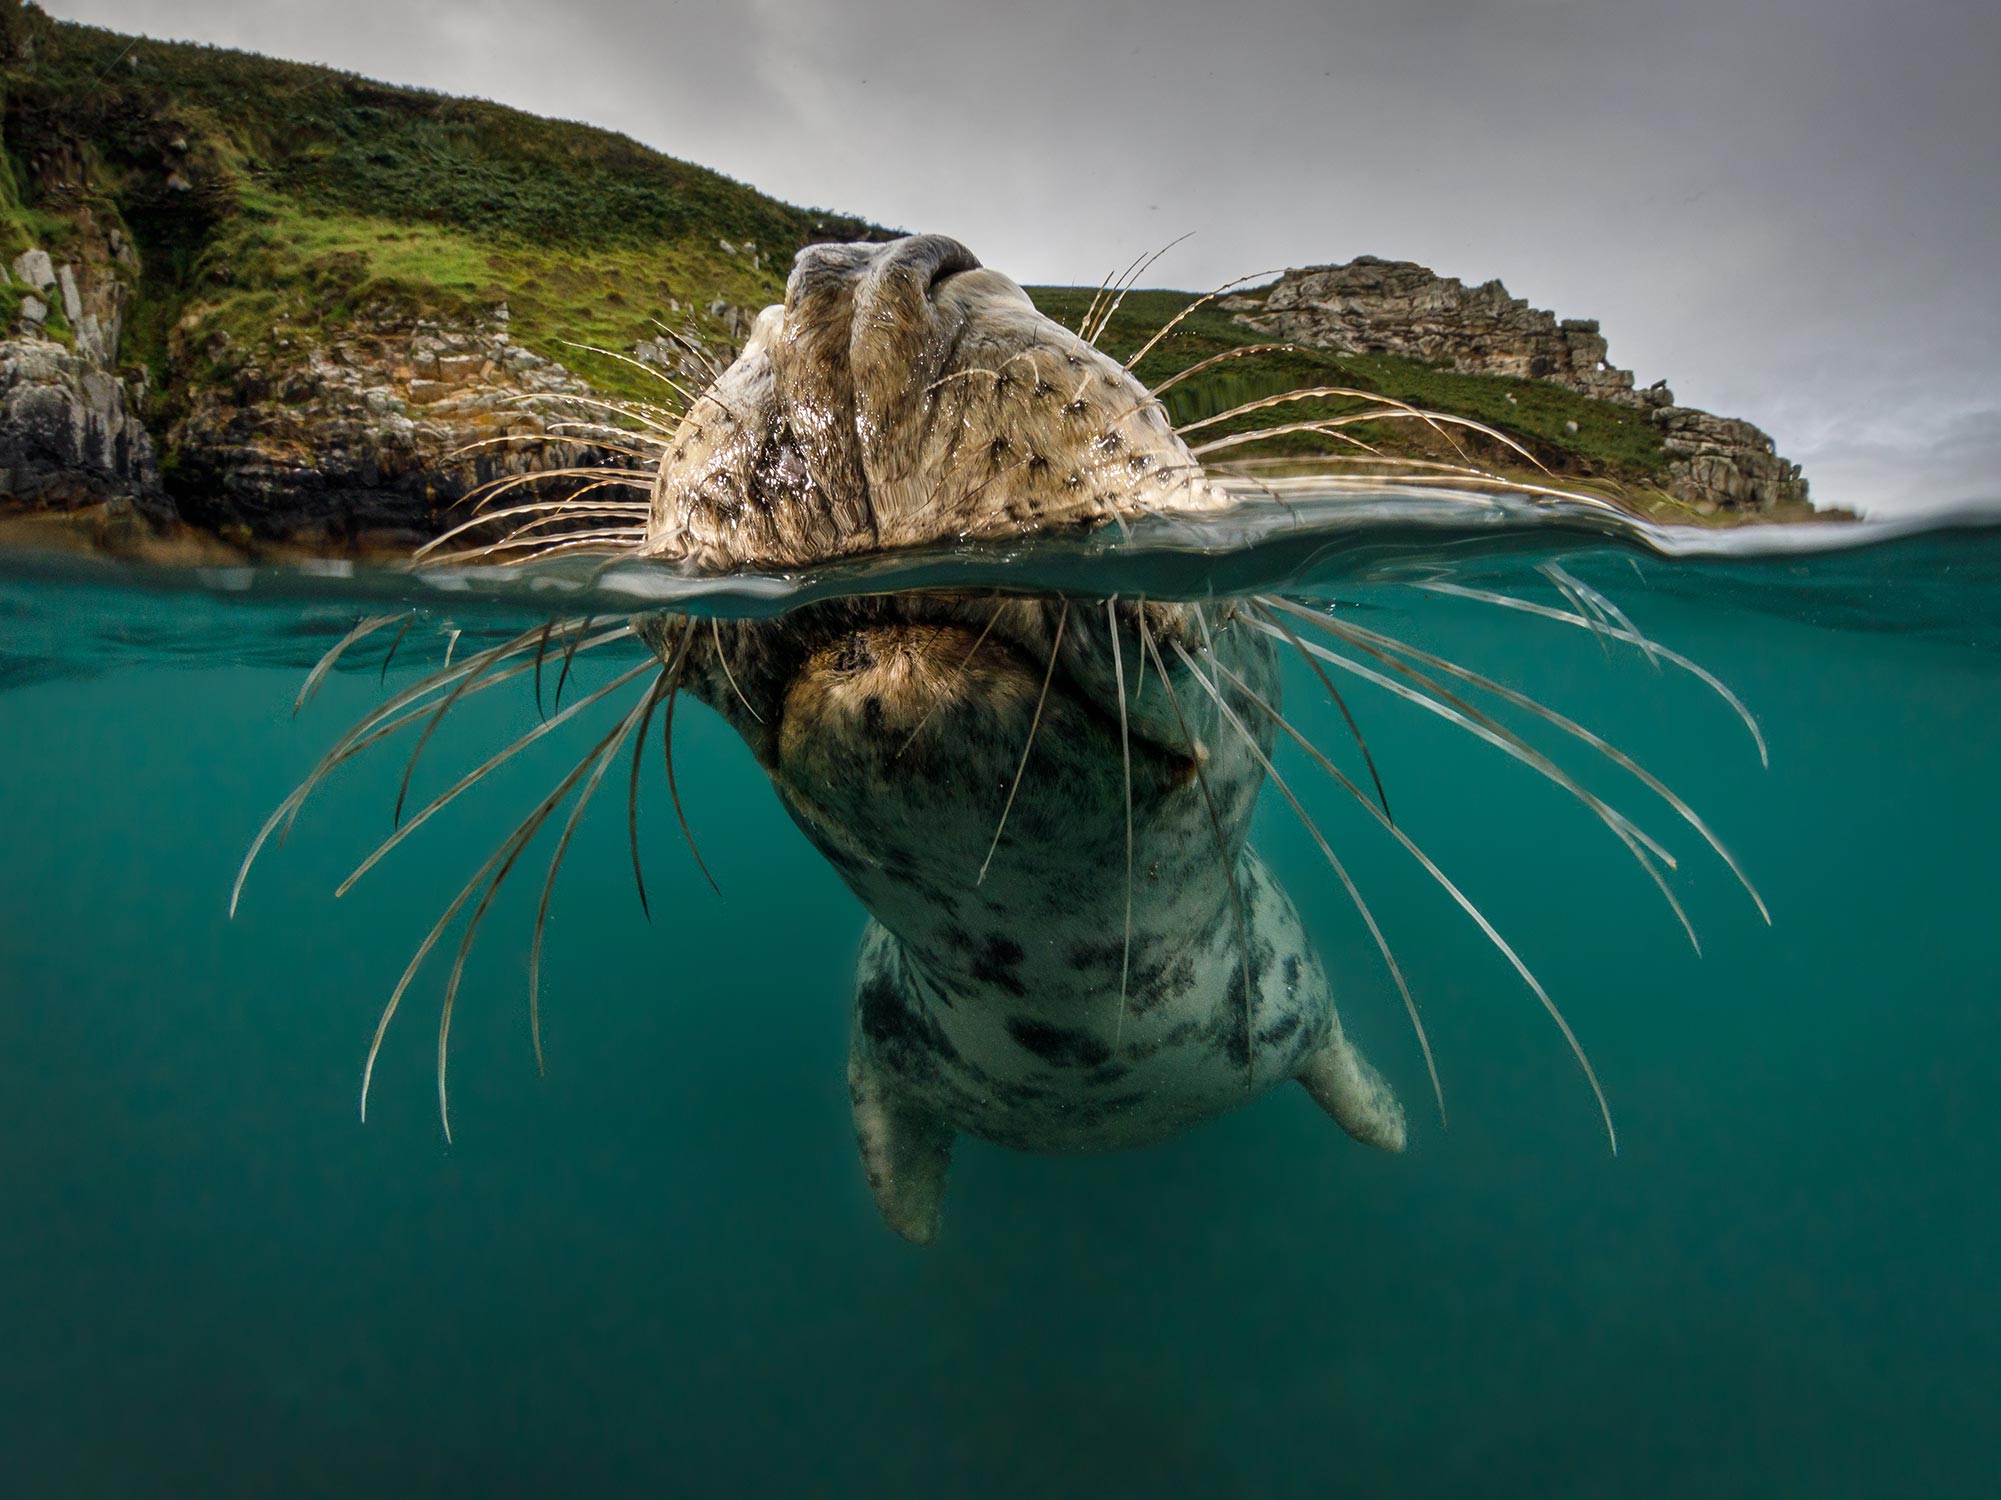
287 307
284 305
1396 307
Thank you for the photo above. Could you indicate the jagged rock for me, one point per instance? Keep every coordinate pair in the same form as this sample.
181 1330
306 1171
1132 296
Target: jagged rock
1371 306
378 434
1721 463
34 312
68 437
33 267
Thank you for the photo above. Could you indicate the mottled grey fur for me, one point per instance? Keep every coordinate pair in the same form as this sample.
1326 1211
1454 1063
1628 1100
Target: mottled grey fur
902 395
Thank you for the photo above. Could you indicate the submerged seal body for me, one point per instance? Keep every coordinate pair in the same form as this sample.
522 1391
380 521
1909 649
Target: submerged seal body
1042 803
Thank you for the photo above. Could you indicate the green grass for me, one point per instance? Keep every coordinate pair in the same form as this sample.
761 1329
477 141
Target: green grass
304 200
1613 442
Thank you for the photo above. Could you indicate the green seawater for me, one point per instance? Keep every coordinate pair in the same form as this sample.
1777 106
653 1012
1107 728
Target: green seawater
656 1269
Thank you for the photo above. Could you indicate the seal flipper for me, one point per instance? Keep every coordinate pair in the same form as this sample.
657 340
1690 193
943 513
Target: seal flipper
1362 1103
905 1151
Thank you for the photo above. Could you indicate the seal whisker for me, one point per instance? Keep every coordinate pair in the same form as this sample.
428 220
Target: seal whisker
1605 606
1437 421
606 754
444 707
545 510
541 651
1131 281
569 656
534 546
325 664
1354 729
1172 323
1222 849
1674 658
1347 881
1437 699
640 411
479 772
375 725
612 546
723 659
480 497
694 346
382 677
675 668
1034 723
1216 359
1579 732
632 794
1091 312
1441 701
437 681
639 364
1563 583
1126 766
1445 883
509 846
548 435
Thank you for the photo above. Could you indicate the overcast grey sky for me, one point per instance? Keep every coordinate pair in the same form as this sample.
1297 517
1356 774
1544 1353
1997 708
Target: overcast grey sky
1788 210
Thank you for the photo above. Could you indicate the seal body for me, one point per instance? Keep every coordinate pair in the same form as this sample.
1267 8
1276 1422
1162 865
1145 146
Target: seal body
1042 803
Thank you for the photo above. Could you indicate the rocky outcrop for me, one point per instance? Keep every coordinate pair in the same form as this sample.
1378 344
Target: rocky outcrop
71 437
373 435
1371 306
1723 464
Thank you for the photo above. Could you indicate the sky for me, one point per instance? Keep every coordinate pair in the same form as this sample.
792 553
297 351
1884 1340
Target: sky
1790 211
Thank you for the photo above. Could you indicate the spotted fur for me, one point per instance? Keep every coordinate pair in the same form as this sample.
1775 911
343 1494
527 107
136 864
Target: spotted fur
959 760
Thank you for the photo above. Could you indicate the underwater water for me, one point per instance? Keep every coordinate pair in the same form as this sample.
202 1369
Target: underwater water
656 1268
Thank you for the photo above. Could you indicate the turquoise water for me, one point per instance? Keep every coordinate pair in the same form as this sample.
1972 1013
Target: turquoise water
657 1269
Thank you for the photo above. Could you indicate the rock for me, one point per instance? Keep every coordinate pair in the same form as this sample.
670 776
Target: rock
1725 463
68 436
1371 306
72 302
385 427
34 312
33 267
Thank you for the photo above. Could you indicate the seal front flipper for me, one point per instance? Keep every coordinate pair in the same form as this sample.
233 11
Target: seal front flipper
905 1151
1362 1103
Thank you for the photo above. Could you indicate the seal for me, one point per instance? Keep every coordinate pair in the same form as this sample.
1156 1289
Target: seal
1043 803
1072 944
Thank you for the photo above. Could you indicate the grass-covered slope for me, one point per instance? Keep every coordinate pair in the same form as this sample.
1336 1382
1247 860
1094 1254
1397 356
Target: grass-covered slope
268 200
257 210
1609 442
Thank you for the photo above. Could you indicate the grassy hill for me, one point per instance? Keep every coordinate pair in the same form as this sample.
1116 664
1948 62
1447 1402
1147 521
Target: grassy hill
256 210
268 200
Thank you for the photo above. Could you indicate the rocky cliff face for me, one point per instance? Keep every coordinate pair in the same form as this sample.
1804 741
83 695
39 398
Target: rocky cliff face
372 436
71 435
1371 306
